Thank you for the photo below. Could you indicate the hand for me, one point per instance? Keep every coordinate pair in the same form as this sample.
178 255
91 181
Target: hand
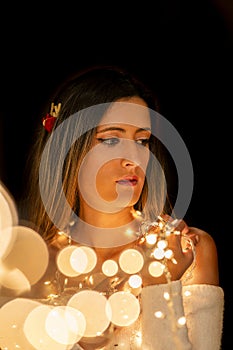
182 253
181 243
181 224
184 229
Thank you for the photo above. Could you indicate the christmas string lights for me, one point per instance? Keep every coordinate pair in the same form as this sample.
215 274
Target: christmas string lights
88 299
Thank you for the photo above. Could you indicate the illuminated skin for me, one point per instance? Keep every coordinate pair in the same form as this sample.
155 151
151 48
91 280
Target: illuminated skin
104 245
118 162
126 129
124 172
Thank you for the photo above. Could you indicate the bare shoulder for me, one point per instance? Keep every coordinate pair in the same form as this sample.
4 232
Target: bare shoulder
205 242
206 270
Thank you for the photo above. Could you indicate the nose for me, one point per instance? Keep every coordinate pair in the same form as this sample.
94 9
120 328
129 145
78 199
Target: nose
130 163
134 155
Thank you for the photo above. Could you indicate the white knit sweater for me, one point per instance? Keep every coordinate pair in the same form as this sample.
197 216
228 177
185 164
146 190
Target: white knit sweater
202 305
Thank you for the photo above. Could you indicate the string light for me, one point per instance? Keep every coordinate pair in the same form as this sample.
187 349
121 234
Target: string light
107 292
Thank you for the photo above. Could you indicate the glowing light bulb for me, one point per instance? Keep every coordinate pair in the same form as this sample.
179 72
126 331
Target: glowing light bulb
44 328
135 281
156 269
131 261
64 263
83 259
166 296
162 244
8 211
109 267
151 238
187 293
158 253
12 318
168 254
159 314
181 321
27 246
94 308
125 308
65 325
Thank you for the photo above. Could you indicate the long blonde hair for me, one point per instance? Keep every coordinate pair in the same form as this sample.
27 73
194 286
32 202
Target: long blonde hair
95 86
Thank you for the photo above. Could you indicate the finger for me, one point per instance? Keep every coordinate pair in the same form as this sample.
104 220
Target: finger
178 224
191 236
189 256
182 227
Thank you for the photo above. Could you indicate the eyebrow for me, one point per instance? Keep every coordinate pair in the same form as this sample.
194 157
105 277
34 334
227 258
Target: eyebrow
116 128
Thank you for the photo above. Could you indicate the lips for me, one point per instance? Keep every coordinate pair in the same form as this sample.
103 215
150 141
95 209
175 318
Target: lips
128 181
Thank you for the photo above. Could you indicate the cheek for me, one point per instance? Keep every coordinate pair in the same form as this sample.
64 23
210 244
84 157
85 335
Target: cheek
108 167
105 180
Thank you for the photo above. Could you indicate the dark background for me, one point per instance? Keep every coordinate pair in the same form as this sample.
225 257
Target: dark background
182 49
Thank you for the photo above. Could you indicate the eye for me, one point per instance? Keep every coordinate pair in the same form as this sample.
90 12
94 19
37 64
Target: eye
110 141
143 142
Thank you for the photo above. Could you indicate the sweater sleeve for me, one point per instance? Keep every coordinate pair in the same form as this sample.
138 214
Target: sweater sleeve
202 306
162 307
204 309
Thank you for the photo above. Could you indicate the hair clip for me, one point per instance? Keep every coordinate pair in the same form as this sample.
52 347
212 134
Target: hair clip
49 120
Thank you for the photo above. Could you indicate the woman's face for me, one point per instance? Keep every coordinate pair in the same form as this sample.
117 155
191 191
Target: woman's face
113 172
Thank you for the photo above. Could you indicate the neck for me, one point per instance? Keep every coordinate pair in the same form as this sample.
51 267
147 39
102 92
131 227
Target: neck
106 229
106 220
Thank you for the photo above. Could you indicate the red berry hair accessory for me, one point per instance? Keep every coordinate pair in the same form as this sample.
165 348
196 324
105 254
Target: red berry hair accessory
50 118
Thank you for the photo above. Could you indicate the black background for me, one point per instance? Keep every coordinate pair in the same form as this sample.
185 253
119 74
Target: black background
182 49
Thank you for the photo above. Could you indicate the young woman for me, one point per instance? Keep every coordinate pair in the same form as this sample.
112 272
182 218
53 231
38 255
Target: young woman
98 182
